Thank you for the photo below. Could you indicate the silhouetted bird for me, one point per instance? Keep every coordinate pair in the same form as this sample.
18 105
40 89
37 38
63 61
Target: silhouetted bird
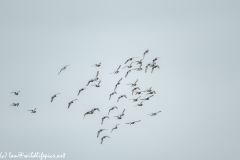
55 95
63 68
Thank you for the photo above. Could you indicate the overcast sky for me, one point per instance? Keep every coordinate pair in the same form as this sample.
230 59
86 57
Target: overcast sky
197 84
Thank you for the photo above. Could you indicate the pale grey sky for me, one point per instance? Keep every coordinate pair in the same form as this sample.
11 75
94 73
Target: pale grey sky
197 86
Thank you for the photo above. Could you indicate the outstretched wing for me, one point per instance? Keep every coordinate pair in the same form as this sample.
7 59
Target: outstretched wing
119 80
146 69
119 67
136 81
60 71
97 74
52 98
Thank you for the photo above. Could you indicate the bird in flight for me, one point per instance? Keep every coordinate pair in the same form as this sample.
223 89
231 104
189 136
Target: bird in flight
91 80
145 53
81 90
97 65
117 71
112 109
95 109
136 99
135 89
140 104
133 122
121 97
115 127
152 92
100 132
97 85
121 115
104 118
155 66
145 99
63 68
103 138
16 93
154 114
69 104
55 95
130 66
148 90
14 104
138 69
33 111
140 92
155 59
127 73
133 84
130 59
112 94
139 62
96 78
118 83
87 113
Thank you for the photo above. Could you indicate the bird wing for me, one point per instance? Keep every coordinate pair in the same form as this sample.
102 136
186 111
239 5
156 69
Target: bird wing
119 67
152 69
98 133
110 96
126 61
119 80
126 74
136 81
99 82
60 71
97 74
52 98
146 69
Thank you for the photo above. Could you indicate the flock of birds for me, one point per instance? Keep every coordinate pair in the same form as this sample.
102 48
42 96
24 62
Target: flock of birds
135 91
